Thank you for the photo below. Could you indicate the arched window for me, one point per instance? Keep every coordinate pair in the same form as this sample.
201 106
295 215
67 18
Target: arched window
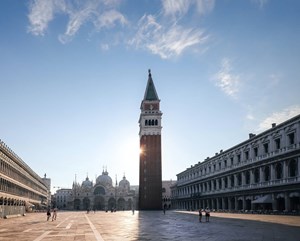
247 177
267 173
278 171
156 122
256 175
231 180
293 169
146 122
152 123
239 179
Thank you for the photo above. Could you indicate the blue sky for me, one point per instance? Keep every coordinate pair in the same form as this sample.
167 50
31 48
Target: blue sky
73 74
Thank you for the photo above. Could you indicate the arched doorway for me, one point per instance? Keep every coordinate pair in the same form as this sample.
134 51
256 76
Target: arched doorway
232 202
248 204
280 202
240 204
121 204
86 203
111 203
99 203
129 204
295 201
77 204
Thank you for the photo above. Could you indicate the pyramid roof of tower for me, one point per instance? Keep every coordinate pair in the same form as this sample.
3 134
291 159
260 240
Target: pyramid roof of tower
150 93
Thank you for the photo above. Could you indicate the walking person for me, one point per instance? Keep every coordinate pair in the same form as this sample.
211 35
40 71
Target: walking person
200 215
54 215
207 214
48 214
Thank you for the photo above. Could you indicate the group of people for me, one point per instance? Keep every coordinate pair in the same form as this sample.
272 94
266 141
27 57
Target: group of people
207 214
54 214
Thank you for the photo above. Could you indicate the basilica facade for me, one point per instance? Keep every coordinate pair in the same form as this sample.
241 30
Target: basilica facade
101 195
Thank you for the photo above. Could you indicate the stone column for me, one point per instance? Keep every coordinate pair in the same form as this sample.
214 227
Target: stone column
285 169
222 183
236 203
243 178
235 180
252 176
298 160
274 204
272 169
244 203
261 175
287 202
228 182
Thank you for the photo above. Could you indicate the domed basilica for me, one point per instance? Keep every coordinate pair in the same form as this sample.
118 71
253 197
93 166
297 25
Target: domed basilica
99 196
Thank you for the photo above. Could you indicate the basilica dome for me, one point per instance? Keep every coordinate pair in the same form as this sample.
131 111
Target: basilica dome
87 183
124 184
104 179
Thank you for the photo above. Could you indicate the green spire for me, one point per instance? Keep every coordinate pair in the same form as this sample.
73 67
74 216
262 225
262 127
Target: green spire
150 93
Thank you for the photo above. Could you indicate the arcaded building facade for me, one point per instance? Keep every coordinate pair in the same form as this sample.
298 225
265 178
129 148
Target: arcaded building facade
21 188
261 173
150 183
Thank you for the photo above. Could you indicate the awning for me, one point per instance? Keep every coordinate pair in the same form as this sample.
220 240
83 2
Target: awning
264 199
294 194
29 204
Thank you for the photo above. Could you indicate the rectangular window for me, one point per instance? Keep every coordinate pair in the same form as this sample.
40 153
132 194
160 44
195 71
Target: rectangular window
246 155
225 163
231 161
239 158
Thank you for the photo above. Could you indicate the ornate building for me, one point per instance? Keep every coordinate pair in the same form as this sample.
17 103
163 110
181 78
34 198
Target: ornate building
21 188
150 183
261 173
99 196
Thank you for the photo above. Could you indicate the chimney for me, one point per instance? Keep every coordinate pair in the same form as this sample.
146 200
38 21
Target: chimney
273 125
251 135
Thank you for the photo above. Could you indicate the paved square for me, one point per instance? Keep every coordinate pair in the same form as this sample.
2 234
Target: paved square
151 225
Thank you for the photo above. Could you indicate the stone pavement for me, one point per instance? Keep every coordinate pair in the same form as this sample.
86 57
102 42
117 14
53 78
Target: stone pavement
150 225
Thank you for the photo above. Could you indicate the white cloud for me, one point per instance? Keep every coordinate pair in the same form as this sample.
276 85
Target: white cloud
226 80
165 41
161 35
179 8
41 13
279 117
101 13
205 6
109 19
175 7
260 3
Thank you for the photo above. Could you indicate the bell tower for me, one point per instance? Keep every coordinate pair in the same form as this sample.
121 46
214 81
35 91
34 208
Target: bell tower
150 185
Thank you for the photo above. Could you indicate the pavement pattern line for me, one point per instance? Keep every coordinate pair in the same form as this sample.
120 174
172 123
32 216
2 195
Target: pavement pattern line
42 236
63 221
69 226
95 231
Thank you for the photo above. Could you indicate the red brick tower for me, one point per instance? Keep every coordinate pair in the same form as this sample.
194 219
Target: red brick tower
150 193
